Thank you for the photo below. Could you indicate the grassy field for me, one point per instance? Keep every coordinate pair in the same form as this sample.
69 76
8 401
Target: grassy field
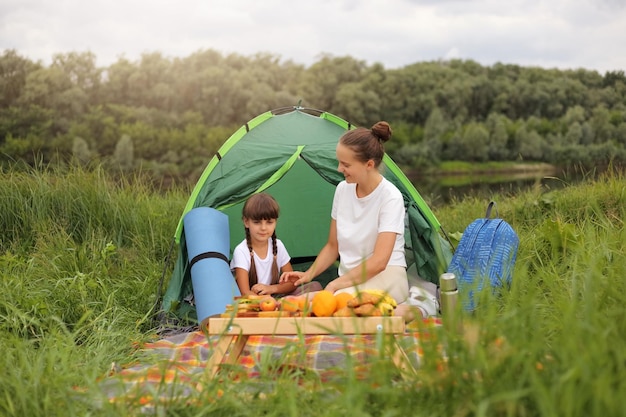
82 256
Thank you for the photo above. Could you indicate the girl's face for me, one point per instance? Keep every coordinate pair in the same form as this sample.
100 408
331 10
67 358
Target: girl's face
260 230
353 170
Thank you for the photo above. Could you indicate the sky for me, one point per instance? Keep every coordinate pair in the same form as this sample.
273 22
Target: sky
563 34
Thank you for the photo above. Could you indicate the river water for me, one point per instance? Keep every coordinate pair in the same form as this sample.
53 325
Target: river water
443 190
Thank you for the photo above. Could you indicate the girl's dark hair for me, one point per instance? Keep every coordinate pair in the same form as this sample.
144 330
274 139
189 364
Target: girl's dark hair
368 143
261 206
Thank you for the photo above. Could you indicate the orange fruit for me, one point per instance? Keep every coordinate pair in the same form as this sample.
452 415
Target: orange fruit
342 299
324 303
268 304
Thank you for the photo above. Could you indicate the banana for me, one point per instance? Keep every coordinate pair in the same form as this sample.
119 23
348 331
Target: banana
386 309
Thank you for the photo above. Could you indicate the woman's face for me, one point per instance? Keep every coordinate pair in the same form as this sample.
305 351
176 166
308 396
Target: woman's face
353 170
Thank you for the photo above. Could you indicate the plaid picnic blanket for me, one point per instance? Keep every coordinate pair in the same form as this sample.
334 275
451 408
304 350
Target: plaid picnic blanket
175 366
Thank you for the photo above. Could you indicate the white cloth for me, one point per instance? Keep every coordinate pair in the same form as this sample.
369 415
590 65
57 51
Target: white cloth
423 295
241 259
360 220
424 300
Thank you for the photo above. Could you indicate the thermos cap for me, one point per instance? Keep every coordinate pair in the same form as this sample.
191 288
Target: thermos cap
447 282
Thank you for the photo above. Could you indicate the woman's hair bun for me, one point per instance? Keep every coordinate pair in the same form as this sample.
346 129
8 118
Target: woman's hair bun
382 131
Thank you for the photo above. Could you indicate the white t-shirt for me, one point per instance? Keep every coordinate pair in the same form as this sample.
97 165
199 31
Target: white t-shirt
241 259
360 220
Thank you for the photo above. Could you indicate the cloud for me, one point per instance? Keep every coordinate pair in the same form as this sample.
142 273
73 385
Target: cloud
560 33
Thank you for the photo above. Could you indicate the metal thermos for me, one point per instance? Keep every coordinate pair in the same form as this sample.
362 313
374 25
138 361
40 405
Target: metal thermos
449 300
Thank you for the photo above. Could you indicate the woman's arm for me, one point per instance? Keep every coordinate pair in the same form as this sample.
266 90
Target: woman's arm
324 259
370 267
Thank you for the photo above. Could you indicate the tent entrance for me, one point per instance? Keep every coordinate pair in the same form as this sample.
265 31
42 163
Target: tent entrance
305 200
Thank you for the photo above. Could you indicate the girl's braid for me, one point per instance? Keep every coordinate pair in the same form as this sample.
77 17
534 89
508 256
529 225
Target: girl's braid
252 274
274 262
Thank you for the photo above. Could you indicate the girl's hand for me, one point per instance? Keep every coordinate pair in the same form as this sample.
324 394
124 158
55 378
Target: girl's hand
296 277
262 289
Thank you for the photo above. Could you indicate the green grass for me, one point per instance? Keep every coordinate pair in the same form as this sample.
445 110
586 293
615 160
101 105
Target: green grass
462 167
81 258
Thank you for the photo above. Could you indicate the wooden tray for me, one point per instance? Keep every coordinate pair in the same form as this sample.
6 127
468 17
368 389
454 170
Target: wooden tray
302 325
261 314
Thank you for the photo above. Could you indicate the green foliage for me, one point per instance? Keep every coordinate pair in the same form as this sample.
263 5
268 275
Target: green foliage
170 108
80 150
474 143
124 155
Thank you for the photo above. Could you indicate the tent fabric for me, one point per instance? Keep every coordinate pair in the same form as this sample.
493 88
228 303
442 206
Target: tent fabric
290 153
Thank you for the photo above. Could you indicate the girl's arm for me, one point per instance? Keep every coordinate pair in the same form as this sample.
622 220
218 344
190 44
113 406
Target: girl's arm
280 288
370 267
243 281
287 267
324 259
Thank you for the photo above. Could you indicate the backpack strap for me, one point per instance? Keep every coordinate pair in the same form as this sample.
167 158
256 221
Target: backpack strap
492 205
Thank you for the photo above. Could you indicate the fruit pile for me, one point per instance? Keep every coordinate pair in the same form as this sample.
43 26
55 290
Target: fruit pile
267 306
367 303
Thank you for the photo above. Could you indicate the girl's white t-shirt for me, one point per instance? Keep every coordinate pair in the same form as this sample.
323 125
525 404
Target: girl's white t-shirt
360 220
241 259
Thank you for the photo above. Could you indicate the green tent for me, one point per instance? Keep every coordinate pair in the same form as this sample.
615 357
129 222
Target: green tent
290 153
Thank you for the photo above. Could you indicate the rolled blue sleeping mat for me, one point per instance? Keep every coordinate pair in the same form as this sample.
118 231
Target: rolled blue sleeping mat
208 245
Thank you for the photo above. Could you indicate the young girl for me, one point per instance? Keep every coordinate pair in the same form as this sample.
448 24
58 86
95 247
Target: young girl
261 257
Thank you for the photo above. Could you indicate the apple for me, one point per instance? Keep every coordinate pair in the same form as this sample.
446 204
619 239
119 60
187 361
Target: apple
303 303
268 304
289 303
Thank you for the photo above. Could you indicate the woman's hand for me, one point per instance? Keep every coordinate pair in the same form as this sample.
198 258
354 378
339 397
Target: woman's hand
296 277
331 286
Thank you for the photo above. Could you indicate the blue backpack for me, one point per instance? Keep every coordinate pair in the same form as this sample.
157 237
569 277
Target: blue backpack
485 255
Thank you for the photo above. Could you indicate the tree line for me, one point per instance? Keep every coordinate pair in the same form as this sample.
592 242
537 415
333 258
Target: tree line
168 116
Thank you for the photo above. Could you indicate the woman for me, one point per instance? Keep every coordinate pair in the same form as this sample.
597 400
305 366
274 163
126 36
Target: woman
367 222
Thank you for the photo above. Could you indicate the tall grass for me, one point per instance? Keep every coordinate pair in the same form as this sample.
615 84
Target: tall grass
81 258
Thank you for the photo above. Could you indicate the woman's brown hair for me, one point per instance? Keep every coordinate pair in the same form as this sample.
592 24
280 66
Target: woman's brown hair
368 143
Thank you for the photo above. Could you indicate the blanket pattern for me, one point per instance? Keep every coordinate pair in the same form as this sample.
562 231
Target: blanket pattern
175 366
